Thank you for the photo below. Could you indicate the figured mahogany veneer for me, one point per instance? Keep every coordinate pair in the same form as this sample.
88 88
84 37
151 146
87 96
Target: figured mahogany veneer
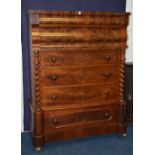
57 76
77 74
81 94
78 117
78 57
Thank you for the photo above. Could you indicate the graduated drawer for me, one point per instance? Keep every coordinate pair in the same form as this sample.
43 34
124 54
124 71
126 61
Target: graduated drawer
57 76
78 57
79 95
58 119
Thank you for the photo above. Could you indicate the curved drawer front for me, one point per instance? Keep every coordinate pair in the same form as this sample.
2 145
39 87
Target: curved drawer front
86 94
82 18
79 117
77 34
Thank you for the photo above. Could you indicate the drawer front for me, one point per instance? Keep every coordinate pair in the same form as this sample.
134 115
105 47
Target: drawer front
100 57
86 94
82 18
61 58
78 34
61 95
78 117
61 76
78 58
57 76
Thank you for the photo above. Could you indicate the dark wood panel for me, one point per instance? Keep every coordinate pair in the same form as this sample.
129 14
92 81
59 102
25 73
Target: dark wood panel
129 90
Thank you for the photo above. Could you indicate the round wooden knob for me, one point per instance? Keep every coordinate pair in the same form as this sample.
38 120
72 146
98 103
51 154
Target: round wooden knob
107 114
54 97
53 59
53 77
55 121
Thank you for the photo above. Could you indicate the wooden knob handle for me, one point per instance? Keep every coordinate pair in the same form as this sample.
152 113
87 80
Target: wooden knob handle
54 97
53 77
53 59
106 114
55 121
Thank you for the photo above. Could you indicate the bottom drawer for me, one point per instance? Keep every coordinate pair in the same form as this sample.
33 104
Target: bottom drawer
83 131
59 119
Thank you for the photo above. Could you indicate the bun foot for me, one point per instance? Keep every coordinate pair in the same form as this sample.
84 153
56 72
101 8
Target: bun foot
124 134
38 148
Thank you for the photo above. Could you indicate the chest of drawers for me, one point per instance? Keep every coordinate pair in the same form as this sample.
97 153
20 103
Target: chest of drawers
77 74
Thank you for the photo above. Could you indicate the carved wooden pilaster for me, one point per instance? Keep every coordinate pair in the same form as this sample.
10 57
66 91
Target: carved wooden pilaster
37 100
37 112
122 75
122 105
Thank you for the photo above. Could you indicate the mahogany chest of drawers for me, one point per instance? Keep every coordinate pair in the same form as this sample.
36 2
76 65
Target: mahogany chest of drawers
77 74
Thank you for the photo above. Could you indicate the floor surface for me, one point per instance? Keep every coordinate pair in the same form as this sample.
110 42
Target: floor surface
113 144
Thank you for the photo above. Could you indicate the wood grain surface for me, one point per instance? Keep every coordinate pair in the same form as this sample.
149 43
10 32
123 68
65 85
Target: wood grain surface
77 74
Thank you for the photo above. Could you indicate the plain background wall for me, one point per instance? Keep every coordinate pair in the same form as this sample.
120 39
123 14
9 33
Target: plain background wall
129 57
129 50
